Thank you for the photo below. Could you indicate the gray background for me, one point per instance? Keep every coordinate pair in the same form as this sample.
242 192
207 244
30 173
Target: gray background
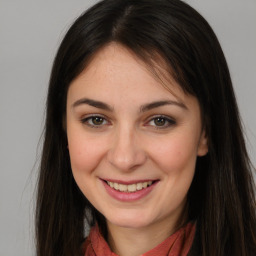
30 32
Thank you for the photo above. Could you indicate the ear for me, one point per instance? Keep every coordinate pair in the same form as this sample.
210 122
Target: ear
202 149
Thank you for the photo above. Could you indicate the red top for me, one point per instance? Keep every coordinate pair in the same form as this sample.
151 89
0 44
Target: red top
178 244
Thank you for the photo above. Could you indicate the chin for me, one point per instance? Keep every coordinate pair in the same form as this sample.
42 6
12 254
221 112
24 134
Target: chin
129 220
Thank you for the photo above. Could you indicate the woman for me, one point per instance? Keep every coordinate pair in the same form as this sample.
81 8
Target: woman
143 142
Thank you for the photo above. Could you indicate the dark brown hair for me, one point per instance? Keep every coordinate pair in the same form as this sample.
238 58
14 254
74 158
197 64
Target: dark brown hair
222 196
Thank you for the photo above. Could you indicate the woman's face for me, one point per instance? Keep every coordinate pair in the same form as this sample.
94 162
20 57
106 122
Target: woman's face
133 145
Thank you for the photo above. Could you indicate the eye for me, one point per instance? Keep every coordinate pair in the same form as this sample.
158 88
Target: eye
161 122
94 121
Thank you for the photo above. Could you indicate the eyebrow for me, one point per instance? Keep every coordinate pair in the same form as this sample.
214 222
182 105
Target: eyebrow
143 108
157 104
93 103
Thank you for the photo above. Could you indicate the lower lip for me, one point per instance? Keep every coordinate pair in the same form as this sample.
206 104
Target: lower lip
128 196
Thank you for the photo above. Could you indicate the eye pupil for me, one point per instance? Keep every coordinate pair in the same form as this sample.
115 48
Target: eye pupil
159 121
97 120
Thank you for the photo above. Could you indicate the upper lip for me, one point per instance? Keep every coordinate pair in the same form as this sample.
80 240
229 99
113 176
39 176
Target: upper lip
128 182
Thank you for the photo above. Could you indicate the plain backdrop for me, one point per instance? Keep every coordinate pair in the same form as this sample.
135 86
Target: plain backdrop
30 32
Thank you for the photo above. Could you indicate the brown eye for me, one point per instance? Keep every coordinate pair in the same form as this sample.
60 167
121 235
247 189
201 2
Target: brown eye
97 120
160 121
94 121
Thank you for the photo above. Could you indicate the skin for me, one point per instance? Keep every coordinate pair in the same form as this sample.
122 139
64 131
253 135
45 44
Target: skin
128 143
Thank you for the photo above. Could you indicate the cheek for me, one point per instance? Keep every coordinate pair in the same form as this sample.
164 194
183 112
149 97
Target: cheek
177 154
176 159
85 153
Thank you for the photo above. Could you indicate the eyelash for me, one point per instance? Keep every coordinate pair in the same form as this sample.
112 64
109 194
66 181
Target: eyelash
167 121
89 119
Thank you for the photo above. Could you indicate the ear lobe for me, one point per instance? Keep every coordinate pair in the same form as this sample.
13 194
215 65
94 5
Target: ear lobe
202 149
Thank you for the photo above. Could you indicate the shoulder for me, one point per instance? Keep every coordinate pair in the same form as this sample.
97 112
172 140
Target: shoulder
87 247
86 243
195 248
95 244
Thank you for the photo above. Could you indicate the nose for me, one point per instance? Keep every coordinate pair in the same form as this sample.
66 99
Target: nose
126 151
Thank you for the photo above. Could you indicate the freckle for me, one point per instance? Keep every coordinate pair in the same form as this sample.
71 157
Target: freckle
179 153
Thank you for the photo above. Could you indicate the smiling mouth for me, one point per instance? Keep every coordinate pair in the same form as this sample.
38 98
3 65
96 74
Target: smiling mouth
131 188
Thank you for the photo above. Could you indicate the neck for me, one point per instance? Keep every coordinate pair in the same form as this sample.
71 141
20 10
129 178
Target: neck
136 241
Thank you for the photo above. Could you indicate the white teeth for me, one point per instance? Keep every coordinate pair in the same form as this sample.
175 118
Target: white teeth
116 186
144 184
132 188
122 187
139 186
129 188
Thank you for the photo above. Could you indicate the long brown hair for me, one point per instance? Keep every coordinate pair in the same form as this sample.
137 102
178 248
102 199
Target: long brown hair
222 195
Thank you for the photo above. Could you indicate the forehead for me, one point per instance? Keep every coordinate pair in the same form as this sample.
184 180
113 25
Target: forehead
116 68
